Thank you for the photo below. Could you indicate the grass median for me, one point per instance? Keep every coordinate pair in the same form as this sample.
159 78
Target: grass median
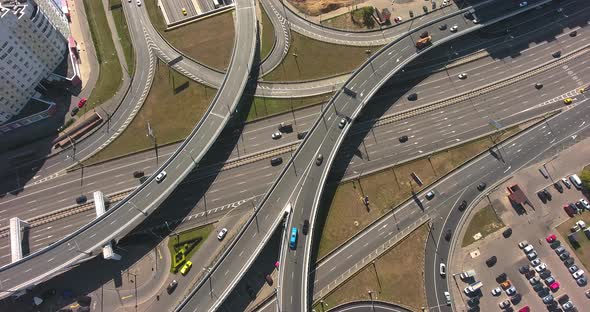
173 106
310 59
395 277
110 74
485 222
582 248
263 107
123 32
192 238
209 40
347 215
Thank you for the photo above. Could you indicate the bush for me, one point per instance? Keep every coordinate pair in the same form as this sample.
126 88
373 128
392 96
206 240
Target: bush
585 177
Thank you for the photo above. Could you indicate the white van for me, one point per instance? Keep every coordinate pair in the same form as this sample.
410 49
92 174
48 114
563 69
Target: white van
576 181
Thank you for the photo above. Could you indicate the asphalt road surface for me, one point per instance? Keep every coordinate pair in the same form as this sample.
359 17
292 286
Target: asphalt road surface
100 177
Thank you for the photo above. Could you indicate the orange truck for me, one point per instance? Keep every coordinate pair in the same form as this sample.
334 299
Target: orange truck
424 40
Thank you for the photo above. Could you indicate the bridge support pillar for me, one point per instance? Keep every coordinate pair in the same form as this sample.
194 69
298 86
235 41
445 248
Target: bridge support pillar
16 244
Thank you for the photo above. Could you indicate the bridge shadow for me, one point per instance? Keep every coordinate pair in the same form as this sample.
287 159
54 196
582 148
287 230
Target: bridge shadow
24 148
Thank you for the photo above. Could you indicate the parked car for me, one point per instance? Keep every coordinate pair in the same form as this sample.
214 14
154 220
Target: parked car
504 304
523 244
542 196
496 291
524 269
582 281
558 187
186 267
547 299
531 255
511 290
74 111
545 274
584 203
541 267
535 262
559 250
82 102
564 256
566 182
578 274
551 238
491 261
569 262
555 244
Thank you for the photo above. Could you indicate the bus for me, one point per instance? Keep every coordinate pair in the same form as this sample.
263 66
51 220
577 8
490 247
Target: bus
293 239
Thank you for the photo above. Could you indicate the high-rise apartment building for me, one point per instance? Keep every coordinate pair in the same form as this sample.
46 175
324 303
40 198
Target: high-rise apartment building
32 44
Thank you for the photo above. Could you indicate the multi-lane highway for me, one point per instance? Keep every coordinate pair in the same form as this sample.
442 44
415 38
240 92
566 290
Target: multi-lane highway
221 192
126 215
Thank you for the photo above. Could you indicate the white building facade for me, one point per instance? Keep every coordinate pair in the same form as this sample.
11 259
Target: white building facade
32 44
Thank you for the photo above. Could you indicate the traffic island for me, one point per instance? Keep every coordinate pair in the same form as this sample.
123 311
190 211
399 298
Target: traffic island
483 223
395 277
183 245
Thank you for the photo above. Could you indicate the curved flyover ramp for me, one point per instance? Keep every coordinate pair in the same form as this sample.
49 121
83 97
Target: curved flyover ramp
119 220
298 183
346 105
368 306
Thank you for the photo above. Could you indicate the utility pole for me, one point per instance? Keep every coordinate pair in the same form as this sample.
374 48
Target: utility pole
150 133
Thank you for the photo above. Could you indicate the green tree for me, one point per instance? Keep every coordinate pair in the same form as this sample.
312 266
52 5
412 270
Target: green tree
585 177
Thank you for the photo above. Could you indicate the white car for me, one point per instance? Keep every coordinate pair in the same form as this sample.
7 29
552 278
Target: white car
541 267
462 75
446 2
523 4
161 176
443 269
138 2
221 234
536 262
504 304
585 203
578 274
511 291
566 182
523 244
448 297
277 135
532 255
454 28
496 291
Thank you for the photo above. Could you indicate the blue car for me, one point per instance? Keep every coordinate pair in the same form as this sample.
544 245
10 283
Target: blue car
293 239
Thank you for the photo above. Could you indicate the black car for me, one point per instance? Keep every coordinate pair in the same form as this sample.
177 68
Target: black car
516 298
74 111
491 261
573 33
556 243
462 206
507 232
442 27
250 292
558 187
523 269
538 287
481 186
138 174
542 196
448 235
403 139
547 194
81 199
563 299
305 227
564 256
556 54
501 278
545 274
301 135
569 262
538 86
413 97
172 286
275 161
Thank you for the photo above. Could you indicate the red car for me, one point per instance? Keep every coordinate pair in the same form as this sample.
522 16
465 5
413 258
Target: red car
82 102
551 238
554 286
525 309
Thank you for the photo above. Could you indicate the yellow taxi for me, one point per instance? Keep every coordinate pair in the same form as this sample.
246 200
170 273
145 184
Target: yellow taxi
186 267
568 101
183 11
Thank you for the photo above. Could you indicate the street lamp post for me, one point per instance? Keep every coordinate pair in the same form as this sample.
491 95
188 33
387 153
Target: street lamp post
108 118
150 133
372 302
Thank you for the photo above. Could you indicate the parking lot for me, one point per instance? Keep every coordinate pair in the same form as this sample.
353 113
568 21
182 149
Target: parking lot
534 223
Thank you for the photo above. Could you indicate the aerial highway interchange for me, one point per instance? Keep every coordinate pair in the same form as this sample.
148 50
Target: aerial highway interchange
270 197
